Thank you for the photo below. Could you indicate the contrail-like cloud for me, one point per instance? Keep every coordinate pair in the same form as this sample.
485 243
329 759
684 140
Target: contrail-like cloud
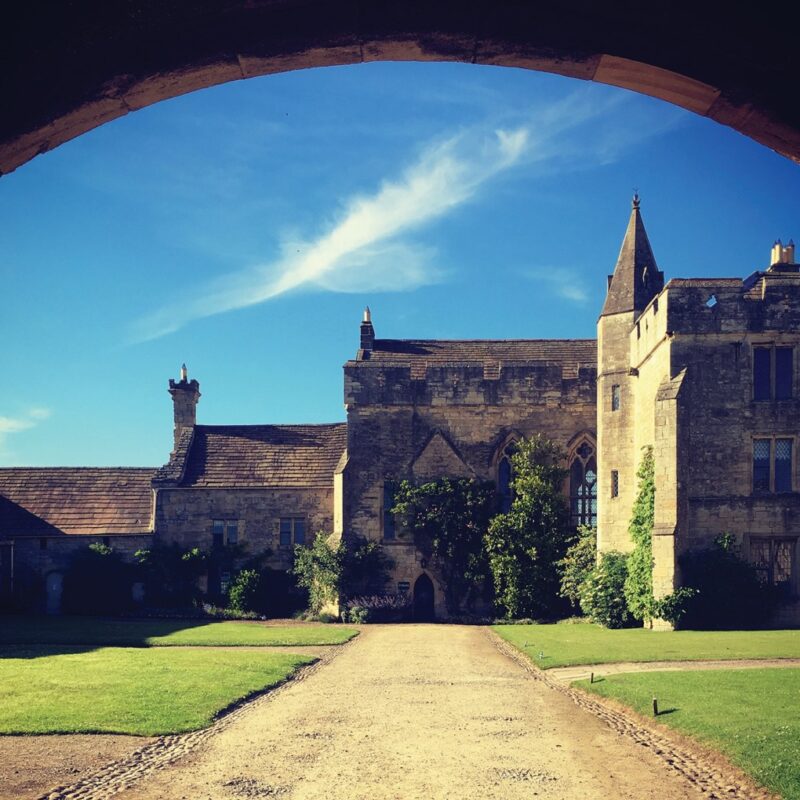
364 249
361 252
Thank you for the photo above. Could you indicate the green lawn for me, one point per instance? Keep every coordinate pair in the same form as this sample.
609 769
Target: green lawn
163 632
144 691
583 643
750 715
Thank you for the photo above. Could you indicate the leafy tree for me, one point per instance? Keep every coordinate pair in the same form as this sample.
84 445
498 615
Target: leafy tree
97 581
245 591
602 596
171 574
639 583
319 569
448 518
525 544
577 564
727 590
335 571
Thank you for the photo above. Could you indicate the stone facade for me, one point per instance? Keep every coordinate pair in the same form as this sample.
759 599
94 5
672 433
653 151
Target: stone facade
704 371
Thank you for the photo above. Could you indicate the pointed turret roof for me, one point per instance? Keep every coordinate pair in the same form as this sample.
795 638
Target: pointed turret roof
636 279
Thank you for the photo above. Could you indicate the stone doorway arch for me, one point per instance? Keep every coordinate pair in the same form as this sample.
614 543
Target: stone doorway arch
424 599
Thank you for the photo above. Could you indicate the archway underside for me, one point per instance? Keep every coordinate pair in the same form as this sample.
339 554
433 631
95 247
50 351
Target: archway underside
72 67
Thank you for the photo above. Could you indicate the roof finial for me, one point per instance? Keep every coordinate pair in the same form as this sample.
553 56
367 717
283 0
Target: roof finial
636 201
184 373
367 315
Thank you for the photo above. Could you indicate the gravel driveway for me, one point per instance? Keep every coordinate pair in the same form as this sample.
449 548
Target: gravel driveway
418 711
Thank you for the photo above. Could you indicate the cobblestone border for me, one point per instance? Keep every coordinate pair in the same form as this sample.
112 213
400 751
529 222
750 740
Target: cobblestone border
710 775
123 774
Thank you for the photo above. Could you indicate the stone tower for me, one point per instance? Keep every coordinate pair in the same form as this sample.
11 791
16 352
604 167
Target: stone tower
185 395
634 284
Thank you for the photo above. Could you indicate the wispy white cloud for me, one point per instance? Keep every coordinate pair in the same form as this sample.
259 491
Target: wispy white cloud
361 251
364 247
564 282
25 421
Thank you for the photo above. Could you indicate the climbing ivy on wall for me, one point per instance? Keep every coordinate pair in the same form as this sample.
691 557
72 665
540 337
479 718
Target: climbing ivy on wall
639 583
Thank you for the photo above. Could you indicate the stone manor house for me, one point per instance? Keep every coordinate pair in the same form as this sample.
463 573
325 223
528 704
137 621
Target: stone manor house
703 370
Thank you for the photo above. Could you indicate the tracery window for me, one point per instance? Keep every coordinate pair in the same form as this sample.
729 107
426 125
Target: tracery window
505 474
583 486
774 561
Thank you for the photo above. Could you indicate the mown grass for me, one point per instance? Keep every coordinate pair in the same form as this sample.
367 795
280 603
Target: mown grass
144 691
584 643
749 715
164 632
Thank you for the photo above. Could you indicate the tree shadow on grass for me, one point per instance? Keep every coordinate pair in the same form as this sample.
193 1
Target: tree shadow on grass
31 636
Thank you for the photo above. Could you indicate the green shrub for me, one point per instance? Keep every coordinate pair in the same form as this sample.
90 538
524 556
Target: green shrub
639 583
448 518
525 544
170 575
97 581
358 615
577 564
728 591
674 607
602 593
245 591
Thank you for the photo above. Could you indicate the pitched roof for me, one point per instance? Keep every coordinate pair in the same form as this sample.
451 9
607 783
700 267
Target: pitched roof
41 501
265 456
636 279
491 353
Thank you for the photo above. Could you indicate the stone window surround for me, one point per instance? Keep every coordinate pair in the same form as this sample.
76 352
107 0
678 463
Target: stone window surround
774 542
772 438
772 347
222 527
292 520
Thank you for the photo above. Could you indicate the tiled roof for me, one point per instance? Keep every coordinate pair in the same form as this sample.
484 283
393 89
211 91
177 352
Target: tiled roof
37 501
265 456
491 353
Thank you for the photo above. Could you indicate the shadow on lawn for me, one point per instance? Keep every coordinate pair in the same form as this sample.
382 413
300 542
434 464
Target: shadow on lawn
31 636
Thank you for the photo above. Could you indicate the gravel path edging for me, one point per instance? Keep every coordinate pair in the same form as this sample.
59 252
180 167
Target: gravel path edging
712 775
120 775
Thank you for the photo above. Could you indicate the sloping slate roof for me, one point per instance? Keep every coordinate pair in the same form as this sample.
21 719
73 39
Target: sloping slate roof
265 456
421 353
40 501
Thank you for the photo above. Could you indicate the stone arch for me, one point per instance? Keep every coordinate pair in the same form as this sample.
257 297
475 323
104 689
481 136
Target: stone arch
581 483
502 469
75 66
424 599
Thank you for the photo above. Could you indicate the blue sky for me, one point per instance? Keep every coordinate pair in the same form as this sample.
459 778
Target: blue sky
242 229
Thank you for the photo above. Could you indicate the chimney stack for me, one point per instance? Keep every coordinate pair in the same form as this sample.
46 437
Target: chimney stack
782 254
185 394
367 333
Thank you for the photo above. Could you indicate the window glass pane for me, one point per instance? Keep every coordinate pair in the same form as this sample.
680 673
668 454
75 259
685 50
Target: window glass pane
783 373
286 532
299 531
782 562
761 465
761 366
759 557
614 483
233 532
615 398
217 533
783 465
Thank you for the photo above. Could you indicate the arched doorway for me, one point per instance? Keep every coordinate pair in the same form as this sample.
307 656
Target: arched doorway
54 586
423 599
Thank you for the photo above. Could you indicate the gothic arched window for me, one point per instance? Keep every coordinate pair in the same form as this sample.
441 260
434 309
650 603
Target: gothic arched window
505 474
583 486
